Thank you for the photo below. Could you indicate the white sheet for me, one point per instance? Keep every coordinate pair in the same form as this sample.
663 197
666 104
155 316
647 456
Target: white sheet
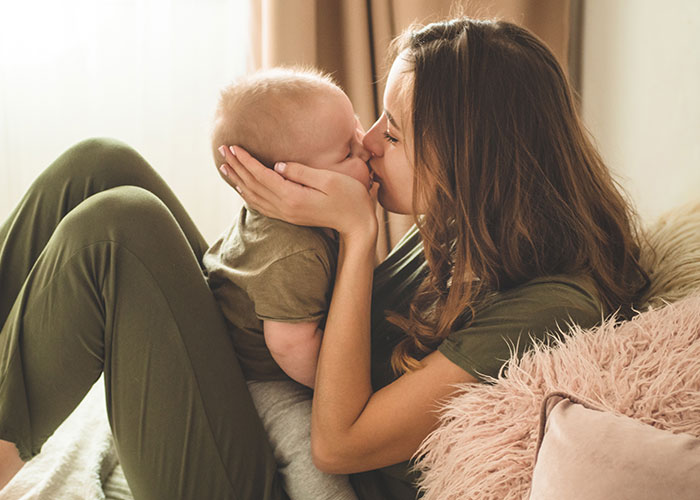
76 459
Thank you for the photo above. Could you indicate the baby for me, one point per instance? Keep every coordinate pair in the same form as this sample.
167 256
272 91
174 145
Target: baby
272 279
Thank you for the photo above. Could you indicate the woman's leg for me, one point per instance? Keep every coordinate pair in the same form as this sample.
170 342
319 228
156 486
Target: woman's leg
89 167
118 287
10 463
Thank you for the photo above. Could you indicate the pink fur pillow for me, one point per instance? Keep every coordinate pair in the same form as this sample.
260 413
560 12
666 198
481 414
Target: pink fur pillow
586 454
647 369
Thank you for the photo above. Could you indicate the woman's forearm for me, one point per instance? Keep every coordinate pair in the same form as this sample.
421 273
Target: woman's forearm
343 384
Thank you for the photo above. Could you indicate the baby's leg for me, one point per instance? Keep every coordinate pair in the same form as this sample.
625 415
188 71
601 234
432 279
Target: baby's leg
285 409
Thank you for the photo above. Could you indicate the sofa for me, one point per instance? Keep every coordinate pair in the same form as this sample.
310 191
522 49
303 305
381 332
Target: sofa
493 439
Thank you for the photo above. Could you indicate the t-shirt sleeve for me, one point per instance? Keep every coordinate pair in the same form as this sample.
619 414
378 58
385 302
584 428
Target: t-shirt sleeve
292 289
514 321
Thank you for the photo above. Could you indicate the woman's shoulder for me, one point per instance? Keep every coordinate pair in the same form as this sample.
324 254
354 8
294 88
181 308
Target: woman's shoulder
515 319
557 291
542 301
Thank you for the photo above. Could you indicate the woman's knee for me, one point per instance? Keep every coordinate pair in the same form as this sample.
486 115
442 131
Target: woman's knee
121 214
100 162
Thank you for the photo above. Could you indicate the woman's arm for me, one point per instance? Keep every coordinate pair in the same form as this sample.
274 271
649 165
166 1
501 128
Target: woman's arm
353 428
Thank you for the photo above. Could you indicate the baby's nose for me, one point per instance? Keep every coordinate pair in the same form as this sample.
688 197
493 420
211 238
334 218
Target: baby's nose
361 152
364 154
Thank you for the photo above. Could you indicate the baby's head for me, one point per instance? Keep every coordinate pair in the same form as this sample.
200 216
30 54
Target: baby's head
291 114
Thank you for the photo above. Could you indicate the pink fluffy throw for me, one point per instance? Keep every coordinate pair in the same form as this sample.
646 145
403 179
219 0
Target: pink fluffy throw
647 368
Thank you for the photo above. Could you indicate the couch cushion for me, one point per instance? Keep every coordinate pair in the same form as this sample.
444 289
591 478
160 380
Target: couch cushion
670 253
647 369
596 455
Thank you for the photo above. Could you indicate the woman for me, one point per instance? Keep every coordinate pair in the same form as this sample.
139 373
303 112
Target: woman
520 230
521 225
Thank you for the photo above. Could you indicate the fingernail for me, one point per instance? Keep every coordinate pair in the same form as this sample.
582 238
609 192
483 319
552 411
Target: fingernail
240 191
280 166
222 150
233 151
223 170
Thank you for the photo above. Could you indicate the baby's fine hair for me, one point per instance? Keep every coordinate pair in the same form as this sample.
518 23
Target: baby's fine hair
261 111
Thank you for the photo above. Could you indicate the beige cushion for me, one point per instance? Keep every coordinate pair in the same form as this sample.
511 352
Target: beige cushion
670 253
589 454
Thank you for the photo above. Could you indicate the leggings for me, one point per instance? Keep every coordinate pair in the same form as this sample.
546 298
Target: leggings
100 271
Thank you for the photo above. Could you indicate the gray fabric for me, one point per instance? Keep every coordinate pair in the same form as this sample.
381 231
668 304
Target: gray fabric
116 487
285 410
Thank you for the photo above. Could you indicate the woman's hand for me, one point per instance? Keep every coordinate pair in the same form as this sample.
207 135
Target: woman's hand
299 194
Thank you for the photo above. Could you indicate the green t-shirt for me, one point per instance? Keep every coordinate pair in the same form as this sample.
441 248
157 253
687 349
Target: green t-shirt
265 269
510 318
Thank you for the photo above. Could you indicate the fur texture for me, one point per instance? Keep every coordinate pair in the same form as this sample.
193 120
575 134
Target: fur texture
647 368
671 255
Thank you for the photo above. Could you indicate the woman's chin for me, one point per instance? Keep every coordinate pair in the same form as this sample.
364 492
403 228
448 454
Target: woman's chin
391 205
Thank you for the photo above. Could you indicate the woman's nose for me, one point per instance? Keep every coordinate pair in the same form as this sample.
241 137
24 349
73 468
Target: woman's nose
358 149
372 140
362 152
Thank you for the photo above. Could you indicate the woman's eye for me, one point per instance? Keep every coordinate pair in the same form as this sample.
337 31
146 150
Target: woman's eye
390 138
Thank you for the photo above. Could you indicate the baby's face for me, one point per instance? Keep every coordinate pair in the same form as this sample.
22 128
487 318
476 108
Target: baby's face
337 139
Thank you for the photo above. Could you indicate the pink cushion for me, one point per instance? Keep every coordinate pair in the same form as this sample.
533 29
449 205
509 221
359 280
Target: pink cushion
589 454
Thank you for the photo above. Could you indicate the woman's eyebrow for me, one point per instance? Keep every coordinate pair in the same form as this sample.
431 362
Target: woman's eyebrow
391 120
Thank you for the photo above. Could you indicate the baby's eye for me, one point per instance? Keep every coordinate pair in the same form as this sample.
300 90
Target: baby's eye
390 138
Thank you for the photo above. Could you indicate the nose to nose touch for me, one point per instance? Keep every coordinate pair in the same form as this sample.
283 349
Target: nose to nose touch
371 144
365 154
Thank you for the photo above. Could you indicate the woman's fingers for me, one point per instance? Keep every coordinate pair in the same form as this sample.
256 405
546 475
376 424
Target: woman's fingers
253 168
230 177
299 194
277 181
226 172
306 176
251 199
239 174
252 180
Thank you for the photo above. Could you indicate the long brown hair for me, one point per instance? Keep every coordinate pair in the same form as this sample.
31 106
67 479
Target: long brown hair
511 184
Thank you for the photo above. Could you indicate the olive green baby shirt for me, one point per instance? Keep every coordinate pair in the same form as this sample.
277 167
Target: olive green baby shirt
265 269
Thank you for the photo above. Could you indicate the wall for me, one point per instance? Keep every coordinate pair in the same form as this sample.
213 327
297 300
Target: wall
147 73
641 96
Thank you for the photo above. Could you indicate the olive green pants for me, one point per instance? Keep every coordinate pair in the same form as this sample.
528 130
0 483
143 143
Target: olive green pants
100 271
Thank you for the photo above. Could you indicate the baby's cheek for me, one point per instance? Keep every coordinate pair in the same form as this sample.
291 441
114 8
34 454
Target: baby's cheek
357 169
361 173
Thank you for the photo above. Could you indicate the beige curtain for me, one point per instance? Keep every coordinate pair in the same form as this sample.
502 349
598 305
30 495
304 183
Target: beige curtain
349 38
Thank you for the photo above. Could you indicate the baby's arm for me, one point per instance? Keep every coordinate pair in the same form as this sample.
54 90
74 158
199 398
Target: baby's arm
294 346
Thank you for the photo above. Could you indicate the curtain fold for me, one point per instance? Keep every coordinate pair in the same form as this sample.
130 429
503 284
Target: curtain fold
350 40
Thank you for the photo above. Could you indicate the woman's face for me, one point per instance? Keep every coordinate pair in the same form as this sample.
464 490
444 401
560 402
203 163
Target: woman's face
389 142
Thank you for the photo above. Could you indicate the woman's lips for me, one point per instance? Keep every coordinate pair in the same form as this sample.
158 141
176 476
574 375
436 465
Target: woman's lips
373 177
